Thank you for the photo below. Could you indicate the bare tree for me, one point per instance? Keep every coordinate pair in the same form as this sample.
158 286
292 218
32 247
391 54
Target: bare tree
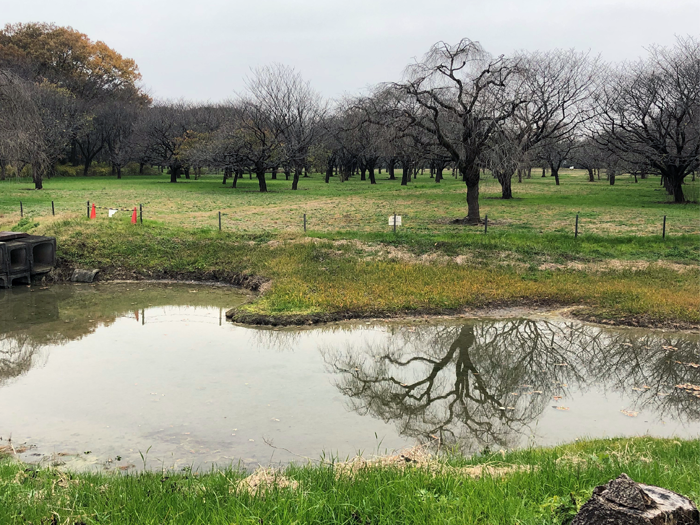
21 126
649 112
463 96
160 131
554 152
556 86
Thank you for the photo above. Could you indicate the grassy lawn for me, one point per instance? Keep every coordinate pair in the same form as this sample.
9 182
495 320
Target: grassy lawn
350 262
536 486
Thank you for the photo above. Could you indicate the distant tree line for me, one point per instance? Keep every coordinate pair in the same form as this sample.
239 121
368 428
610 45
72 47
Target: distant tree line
67 99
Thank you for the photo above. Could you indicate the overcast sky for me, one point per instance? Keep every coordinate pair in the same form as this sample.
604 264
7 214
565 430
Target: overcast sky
202 49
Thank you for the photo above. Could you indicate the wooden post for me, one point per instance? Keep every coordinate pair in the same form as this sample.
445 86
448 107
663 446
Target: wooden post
663 233
53 210
219 221
486 223
21 209
88 209
576 230
141 213
394 222
305 223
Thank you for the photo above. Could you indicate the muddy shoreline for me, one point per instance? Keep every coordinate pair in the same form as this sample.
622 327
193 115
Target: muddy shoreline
257 286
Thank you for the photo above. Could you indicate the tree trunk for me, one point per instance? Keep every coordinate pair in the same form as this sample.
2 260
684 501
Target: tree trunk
405 172
237 174
295 181
262 183
3 170
226 174
187 172
273 173
544 172
473 216
520 175
174 173
623 501
390 169
363 173
119 171
36 175
370 167
140 168
438 174
329 170
555 174
591 177
677 188
86 166
506 180
611 178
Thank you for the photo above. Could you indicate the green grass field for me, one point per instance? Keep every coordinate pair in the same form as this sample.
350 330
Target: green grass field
354 206
350 262
540 486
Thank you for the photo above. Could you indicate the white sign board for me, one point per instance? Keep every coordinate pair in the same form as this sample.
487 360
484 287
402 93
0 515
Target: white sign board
112 211
391 220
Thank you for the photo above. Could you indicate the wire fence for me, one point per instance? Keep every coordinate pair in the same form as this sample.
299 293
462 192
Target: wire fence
376 222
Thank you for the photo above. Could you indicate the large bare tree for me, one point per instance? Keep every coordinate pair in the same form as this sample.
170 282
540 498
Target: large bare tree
649 113
460 95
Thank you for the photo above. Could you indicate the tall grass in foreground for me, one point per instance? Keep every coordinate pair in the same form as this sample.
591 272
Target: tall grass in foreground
552 488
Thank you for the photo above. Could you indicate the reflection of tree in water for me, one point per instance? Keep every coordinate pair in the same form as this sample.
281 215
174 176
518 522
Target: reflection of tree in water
483 383
648 366
17 355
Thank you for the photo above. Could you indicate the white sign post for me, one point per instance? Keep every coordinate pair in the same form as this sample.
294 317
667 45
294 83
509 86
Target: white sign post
394 220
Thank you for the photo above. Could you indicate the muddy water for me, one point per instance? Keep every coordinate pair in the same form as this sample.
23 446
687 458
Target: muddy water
115 375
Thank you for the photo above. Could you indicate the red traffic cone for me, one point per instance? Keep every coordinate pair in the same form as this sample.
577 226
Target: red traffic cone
133 216
93 212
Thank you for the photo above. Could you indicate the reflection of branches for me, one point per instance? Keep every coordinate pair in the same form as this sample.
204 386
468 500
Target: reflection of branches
278 339
485 382
649 366
460 382
17 355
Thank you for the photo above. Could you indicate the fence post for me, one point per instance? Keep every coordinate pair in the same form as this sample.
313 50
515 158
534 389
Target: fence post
394 222
663 234
305 223
88 209
141 213
486 223
53 210
219 221
576 231
21 209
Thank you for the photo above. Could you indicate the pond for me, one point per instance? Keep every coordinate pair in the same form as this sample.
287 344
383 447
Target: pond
127 375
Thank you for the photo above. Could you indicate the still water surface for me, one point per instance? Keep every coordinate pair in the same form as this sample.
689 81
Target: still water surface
95 376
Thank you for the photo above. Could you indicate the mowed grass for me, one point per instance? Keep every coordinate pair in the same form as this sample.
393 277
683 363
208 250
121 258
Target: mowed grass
549 488
539 206
350 261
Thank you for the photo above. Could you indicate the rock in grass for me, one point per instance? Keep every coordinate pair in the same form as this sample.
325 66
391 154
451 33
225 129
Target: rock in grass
83 276
622 501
